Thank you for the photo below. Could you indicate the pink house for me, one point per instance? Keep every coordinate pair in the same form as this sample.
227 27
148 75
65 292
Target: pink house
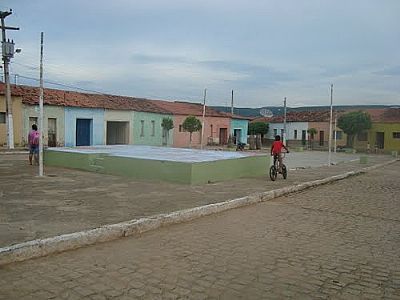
216 124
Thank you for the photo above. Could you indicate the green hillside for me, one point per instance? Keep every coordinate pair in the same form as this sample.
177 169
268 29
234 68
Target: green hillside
278 110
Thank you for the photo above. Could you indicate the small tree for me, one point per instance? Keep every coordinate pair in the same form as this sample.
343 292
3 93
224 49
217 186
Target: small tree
167 124
259 129
311 133
353 123
191 124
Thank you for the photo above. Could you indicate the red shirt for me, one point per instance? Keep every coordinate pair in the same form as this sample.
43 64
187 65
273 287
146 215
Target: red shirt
277 147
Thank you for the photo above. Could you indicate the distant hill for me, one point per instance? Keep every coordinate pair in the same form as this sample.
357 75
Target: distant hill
278 110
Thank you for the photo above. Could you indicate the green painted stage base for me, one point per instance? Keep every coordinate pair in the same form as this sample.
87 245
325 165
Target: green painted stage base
147 169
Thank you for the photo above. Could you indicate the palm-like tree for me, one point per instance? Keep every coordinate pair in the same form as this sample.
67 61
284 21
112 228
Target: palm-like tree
311 133
167 124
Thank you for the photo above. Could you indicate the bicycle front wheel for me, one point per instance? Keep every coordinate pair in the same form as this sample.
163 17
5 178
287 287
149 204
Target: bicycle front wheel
273 173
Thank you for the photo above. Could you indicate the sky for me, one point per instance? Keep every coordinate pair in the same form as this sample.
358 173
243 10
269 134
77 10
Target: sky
264 50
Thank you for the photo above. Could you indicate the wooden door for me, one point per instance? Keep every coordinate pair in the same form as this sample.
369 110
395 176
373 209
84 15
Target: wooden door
223 136
52 132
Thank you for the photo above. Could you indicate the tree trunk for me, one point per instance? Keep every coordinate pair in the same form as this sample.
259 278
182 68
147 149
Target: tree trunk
350 140
190 140
252 142
164 137
258 141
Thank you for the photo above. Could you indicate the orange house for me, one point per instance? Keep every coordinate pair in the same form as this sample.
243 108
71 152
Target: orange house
216 124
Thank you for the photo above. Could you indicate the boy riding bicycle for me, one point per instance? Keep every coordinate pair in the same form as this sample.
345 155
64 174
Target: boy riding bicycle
276 150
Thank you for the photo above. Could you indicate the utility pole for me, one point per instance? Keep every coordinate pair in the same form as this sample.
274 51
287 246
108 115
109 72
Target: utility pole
284 121
41 109
232 105
330 130
7 53
335 137
202 124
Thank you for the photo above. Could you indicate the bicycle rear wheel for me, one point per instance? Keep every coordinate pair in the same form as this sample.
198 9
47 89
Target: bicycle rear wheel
273 173
284 172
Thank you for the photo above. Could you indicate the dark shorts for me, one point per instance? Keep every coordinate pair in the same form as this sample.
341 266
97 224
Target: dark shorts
33 149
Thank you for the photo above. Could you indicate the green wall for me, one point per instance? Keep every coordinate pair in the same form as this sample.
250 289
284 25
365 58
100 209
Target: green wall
148 138
243 126
159 170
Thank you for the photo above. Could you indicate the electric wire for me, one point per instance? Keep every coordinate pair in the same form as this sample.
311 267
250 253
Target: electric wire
61 84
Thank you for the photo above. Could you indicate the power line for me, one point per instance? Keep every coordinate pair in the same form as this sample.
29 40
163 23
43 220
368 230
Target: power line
63 85
26 66
49 66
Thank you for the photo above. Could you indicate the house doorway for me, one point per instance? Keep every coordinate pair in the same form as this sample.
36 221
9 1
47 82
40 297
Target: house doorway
303 137
83 132
223 136
380 140
321 138
237 133
117 133
52 132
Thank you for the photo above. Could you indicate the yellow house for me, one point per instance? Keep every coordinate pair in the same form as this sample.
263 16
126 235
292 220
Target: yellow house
384 135
17 118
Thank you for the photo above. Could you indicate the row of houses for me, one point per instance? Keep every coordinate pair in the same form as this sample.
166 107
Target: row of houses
83 119
383 136
79 119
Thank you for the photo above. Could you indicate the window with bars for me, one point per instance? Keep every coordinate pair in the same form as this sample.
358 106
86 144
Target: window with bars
142 128
153 128
339 134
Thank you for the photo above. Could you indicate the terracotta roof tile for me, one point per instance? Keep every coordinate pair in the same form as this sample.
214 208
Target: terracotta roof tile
229 115
30 95
187 108
302 116
384 115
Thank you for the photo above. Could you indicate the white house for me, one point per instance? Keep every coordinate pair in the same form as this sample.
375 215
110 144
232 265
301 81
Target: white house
296 132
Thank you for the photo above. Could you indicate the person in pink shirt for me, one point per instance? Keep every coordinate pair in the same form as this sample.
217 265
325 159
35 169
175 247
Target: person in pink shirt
33 141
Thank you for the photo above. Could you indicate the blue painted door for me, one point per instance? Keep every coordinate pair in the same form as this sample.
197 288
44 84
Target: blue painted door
83 130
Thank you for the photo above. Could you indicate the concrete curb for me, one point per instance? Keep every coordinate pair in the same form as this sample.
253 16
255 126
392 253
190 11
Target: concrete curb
43 247
14 152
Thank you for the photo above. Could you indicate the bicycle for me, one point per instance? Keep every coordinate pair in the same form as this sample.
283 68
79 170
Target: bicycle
273 170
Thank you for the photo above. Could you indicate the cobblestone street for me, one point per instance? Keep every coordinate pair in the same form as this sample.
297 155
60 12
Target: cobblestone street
67 200
337 241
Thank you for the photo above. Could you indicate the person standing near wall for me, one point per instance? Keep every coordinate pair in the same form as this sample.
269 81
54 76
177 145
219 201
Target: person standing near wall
33 141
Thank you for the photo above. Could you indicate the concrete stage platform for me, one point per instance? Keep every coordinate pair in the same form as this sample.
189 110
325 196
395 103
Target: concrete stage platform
188 166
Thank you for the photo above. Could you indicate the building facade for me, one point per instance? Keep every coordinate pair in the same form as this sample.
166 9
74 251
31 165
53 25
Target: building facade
17 120
239 130
84 126
53 124
147 129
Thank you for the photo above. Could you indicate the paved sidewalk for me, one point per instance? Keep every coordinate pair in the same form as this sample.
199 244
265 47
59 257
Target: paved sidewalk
337 241
69 200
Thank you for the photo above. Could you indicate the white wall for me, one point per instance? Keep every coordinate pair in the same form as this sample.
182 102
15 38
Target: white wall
290 128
